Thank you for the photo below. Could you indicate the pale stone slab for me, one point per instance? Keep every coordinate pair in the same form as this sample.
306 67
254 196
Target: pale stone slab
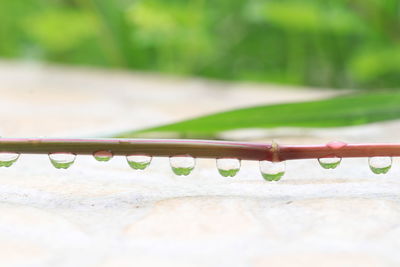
106 214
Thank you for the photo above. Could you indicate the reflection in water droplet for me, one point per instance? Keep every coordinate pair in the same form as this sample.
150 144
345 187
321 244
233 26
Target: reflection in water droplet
103 155
380 165
336 144
329 163
62 160
138 162
228 167
182 165
8 158
272 171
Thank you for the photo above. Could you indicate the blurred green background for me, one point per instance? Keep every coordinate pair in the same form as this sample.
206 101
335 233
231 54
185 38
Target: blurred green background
324 43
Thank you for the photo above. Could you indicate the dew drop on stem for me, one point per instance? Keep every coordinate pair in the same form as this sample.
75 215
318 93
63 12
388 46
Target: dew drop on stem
329 163
272 171
62 160
138 162
380 165
182 165
228 167
103 156
8 158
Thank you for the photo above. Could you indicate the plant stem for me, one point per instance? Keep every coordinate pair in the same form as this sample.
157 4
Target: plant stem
152 147
347 151
196 148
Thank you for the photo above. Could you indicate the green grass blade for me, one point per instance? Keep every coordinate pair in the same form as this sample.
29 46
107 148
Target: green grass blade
354 109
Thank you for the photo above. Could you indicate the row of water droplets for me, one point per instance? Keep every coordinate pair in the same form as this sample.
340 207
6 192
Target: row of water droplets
181 165
378 165
184 164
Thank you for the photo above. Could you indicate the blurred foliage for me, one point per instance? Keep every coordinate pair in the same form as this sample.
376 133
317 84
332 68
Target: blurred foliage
326 43
347 110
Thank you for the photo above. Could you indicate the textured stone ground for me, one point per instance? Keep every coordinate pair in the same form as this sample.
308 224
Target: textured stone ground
105 214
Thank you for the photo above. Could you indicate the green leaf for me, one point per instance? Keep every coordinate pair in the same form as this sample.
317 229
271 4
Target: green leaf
354 109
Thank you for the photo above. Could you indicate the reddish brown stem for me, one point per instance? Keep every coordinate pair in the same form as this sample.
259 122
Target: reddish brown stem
152 147
196 148
347 151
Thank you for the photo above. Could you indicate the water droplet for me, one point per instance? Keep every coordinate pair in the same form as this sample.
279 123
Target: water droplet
8 158
329 163
62 160
228 167
182 165
138 162
103 155
336 144
380 165
272 171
